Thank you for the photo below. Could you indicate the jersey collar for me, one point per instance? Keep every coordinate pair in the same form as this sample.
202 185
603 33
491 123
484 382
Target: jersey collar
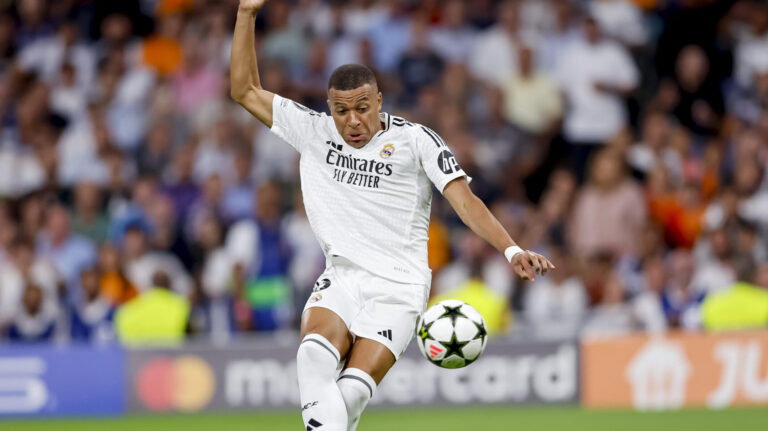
385 119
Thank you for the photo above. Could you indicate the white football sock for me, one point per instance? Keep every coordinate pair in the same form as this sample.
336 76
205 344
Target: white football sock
322 405
357 388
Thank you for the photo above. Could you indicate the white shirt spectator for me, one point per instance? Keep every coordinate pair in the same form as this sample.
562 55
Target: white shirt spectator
593 115
77 148
46 56
20 171
308 260
12 286
493 56
453 45
69 101
751 58
609 320
648 313
242 244
358 20
620 19
140 272
127 113
214 159
712 276
552 46
555 311
274 160
343 50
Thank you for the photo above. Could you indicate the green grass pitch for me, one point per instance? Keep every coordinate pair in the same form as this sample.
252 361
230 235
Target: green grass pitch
470 419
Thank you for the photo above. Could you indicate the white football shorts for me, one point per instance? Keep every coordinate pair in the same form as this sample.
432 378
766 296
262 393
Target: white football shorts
371 306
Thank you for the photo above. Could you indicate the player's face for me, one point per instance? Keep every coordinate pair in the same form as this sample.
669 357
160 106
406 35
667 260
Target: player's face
356 113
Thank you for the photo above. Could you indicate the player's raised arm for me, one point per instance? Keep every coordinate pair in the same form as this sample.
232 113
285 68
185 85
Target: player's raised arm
478 217
243 68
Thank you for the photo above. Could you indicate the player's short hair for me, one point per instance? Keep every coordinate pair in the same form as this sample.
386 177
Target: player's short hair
351 76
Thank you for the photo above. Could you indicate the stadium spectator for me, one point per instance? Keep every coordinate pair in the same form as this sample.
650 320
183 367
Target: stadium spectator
608 214
532 100
141 263
453 38
596 75
493 55
260 247
35 321
92 316
681 304
88 219
69 253
156 316
113 284
743 305
620 19
555 306
21 269
700 101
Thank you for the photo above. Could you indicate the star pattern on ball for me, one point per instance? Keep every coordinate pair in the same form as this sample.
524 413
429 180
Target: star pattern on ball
452 313
424 332
481 331
454 347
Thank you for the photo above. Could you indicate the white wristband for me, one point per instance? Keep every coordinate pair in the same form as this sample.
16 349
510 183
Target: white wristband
511 252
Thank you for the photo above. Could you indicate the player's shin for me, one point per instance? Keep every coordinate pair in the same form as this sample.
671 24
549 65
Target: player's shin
322 405
357 388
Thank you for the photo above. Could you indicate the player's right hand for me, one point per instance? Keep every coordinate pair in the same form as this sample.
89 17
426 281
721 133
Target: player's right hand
251 6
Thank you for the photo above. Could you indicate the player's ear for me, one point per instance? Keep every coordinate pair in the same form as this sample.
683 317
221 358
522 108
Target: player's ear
379 98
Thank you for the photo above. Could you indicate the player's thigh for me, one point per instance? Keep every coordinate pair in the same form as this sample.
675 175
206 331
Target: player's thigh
323 321
372 357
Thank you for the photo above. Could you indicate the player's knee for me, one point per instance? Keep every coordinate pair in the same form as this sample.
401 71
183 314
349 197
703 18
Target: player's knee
315 351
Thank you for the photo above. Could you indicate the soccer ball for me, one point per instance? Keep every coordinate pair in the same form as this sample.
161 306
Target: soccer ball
451 334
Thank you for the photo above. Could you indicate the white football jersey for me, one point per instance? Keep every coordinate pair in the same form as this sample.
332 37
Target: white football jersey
370 205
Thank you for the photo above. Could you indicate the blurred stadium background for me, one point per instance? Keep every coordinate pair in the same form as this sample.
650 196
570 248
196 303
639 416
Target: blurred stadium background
155 256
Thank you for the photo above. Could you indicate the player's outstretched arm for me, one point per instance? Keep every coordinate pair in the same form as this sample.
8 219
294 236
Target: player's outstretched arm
478 217
243 69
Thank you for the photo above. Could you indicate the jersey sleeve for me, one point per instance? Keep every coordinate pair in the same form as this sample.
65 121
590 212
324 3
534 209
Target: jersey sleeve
294 123
437 159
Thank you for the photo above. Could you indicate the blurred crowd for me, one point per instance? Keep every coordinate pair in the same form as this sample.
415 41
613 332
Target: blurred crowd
627 140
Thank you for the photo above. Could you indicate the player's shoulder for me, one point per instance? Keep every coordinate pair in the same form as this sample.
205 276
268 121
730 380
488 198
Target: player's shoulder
290 104
415 131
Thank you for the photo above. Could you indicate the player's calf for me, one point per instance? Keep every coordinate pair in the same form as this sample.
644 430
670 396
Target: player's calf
357 388
322 404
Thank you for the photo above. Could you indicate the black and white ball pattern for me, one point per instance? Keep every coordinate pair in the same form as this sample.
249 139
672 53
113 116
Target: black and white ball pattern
451 334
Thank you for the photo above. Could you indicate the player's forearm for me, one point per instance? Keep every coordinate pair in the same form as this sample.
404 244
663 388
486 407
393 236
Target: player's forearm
243 67
479 218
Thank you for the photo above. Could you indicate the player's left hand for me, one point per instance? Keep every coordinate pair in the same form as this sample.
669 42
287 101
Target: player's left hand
528 263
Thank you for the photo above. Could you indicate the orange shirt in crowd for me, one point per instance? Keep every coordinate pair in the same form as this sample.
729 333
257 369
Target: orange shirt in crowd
438 246
162 54
116 288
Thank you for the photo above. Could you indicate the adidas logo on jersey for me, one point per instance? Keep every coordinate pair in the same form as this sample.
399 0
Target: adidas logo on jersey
387 333
313 424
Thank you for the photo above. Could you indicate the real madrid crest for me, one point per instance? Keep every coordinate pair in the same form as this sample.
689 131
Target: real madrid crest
387 151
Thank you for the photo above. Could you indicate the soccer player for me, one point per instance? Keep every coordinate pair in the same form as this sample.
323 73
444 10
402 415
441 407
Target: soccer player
365 178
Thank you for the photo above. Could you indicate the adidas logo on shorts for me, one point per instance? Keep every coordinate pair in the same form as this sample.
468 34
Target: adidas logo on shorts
387 333
313 424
